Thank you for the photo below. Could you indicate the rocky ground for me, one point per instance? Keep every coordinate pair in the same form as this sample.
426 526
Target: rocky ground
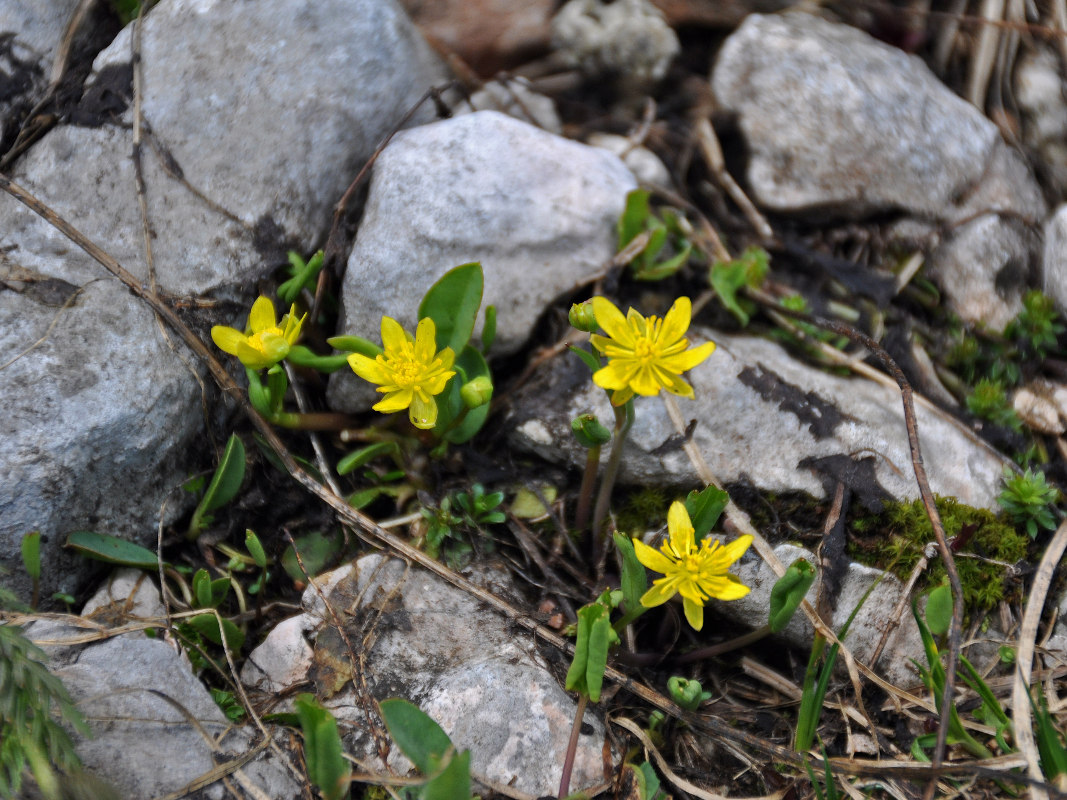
894 172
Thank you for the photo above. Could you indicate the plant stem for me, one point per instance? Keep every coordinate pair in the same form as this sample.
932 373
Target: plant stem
585 494
311 421
624 418
723 647
572 745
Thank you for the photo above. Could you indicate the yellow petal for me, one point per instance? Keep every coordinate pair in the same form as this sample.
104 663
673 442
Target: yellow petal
253 358
425 343
609 377
262 315
735 549
394 401
393 335
226 338
675 385
683 362
293 324
367 368
644 383
681 529
676 321
612 321
661 591
724 589
447 358
423 413
653 559
694 612
436 383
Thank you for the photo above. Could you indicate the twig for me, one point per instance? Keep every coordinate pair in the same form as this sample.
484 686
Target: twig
1020 691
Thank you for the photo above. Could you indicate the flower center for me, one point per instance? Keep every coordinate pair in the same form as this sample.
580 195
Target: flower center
256 340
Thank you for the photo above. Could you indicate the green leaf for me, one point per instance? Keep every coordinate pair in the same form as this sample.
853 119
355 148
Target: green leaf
326 764
939 609
207 625
469 365
113 550
648 780
453 782
303 274
595 637
489 328
416 734
209 593
258 394
634 577
452 303
588 358
634 217
31 554
225 484
255 548
316 550
365 455
788 592
728 277
705 507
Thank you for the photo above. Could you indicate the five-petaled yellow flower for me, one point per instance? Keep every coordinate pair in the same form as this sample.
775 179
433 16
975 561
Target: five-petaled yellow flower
266 341
697 574
409 371
645 354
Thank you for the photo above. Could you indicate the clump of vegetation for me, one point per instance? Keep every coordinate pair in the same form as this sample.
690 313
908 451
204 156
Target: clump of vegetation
984 543
1028 500
990 401
644 510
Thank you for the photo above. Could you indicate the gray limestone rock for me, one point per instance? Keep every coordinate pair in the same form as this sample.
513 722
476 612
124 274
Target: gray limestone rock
765 418
837 121
155 728
1055 257
103 414
430 643
538 211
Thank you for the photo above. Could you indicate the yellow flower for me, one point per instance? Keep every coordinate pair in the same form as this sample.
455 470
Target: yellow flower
265 342
645 354
695 574
409 372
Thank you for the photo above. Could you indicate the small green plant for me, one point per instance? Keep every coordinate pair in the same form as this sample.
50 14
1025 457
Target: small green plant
323 754
727 278
461 511
670 230
301 274
225 484
1036 328
230 705
1049 744
687 692
1028 500
990 401
30 736
446 771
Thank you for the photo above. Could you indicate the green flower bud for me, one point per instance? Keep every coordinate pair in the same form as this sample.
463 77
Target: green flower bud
589 432
477 392
581 316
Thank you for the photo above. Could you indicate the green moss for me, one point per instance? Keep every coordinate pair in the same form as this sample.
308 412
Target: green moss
645 509
894 540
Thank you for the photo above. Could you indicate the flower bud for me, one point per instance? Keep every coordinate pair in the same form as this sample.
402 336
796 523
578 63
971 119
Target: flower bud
477 392
687 693
589 432
581 316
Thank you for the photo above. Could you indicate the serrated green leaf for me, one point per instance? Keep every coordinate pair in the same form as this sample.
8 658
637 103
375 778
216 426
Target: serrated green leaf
417 735
113 550
452 303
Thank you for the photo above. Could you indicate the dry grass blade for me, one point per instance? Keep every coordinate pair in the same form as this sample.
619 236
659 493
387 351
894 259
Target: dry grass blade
1020 695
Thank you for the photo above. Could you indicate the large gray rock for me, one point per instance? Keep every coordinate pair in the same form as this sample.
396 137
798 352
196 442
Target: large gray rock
147 712
31 33
430 643
837 121
760 414
102 415
538 211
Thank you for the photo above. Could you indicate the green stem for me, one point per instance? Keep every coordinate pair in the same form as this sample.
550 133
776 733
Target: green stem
585 494
723 647
311 421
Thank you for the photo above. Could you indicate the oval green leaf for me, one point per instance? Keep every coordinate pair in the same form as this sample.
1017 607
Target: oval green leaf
113 550
452 303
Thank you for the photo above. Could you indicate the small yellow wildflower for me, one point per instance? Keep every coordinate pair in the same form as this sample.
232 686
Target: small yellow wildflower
696 574
645 354
266 341
409 372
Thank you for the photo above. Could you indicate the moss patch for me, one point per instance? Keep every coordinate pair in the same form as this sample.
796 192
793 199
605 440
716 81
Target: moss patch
895 538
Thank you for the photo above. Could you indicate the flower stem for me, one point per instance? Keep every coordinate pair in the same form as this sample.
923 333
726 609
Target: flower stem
572 745
585 494
624 418
311 421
